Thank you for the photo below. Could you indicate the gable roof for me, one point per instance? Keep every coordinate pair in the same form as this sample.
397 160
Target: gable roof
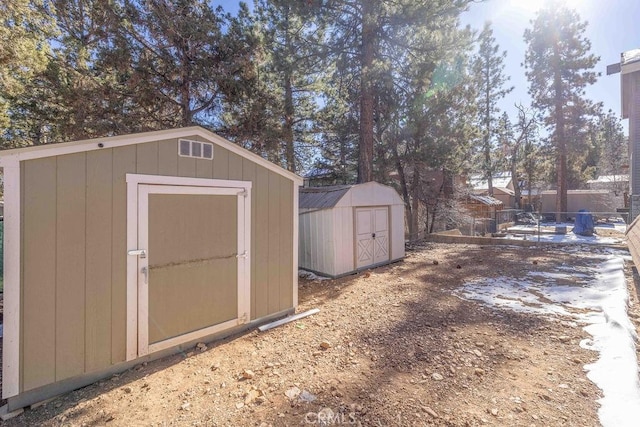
366 194
498 180
322 197
8 157
485 200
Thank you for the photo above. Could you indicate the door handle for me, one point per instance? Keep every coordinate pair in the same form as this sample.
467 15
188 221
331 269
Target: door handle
138 252
373 235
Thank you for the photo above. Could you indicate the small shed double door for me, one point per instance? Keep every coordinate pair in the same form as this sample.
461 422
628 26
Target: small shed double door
372 236
191 274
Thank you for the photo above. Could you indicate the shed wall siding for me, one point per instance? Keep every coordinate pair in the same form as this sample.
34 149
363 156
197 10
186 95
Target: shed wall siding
396 224
594 202
633 240
38 364
316 247
343 236
73 237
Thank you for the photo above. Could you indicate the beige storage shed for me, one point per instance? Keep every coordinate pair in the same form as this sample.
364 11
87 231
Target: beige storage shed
596 201
347 228
129 248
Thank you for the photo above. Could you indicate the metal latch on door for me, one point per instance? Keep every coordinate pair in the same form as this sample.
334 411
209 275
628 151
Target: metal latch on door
142 254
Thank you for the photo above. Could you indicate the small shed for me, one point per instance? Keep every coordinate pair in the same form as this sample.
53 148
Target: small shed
347 228
125 249
482 206
483 210
502 184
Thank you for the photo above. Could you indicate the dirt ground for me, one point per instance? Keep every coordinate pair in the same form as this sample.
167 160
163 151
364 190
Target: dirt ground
390 347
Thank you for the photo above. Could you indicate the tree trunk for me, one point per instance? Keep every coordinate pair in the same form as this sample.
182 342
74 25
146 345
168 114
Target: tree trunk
514 178
489 171
415 204
561 146
434 212
289 110
185 97
487 134
288 124
405 191
365 160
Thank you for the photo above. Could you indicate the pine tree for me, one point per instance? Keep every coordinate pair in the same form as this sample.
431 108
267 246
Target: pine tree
614 157
186 57
559 67
25 27
488 68
366 36
275 115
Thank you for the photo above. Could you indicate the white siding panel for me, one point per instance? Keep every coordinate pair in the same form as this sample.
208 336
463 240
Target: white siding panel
303 240
314 262
316 252
344 238
316 241
328 244
397 232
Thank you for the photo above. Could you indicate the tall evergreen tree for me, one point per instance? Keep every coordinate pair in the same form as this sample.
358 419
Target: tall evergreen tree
25 27
186 57
488 68
614 157
366 35
559 67
278 107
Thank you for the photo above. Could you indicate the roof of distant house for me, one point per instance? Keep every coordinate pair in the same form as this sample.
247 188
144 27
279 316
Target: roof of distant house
499 180
485 200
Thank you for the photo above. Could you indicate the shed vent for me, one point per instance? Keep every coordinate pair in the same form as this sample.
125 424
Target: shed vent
197 149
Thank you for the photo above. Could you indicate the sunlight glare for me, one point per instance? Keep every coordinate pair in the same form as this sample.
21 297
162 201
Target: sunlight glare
532 6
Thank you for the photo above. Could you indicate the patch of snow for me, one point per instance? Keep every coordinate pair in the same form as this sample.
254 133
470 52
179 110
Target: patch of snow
616 370
598 300
532 234
621 227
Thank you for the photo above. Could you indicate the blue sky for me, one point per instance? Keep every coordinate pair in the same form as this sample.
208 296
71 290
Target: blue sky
614 27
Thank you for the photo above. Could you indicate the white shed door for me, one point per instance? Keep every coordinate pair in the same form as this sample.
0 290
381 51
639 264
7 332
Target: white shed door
372 236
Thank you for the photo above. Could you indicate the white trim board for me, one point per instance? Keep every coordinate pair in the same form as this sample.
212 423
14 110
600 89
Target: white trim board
296 230
12 279
40 151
